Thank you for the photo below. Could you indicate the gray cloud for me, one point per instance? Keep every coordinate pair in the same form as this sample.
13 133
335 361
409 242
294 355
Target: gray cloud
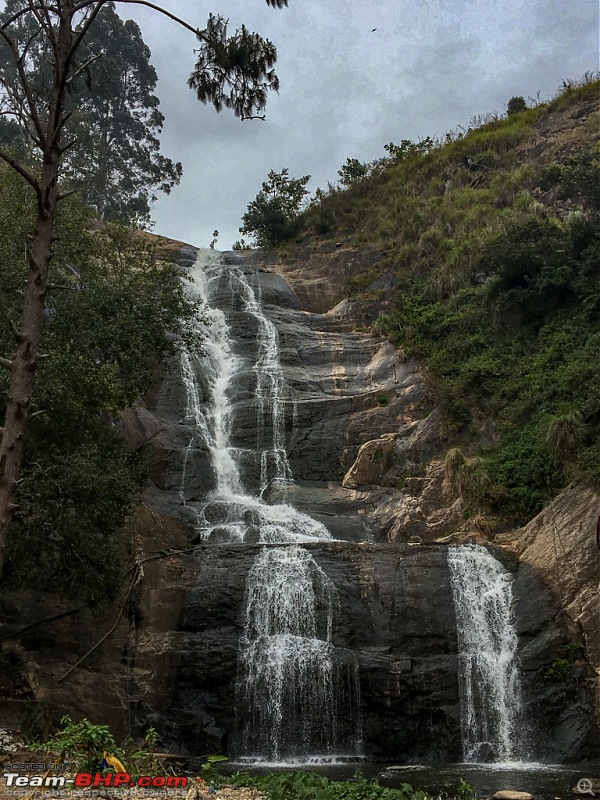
346 91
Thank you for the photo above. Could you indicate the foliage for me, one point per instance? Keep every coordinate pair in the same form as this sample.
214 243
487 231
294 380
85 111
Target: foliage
561 667
515 105
352 171
86 744
234 71
271 215
142 760
82 742
209 771
109 321
114 116
577 177
497 288
564 435
310 786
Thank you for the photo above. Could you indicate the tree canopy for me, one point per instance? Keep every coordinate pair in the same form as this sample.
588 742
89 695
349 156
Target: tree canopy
114 115
270 216
108 322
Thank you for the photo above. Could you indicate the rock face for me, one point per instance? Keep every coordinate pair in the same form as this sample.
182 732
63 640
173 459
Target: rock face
395 614
559 547
365 446
173 660
361 435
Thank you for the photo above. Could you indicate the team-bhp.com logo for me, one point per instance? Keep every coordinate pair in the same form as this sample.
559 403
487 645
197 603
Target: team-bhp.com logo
87 780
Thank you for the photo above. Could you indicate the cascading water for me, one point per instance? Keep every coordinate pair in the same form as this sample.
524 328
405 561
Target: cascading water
270 392
293 685
489 680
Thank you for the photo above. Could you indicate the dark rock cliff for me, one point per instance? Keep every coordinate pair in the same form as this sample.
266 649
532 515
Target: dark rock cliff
363 424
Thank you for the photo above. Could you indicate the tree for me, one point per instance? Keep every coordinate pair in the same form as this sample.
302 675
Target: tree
104 330
515 105
233 72
116 121
114 116
353 171
270 216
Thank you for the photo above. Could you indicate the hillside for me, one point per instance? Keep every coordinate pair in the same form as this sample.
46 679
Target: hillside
480 257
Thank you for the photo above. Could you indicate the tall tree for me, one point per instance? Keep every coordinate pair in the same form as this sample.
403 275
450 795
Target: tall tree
115 115
116 120
271 215
233 72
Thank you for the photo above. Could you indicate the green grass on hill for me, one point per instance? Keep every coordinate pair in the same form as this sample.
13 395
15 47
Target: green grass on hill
497 288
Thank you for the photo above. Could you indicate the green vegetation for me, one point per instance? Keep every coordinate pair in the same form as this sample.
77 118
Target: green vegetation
515 105
495 257
272 216
231 71
85 745
81 742
114 116
561 668
110 318
311 786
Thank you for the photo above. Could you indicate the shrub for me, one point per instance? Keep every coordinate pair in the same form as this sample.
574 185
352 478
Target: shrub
516 105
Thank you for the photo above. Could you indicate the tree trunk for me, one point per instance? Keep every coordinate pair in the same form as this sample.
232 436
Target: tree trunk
24 361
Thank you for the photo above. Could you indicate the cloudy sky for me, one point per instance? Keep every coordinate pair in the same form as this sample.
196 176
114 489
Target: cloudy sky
347 90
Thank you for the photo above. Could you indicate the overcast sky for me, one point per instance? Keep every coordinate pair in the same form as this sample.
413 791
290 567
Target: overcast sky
347 90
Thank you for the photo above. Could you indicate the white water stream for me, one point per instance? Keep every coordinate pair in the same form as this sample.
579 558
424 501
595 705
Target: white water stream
489 679
292 687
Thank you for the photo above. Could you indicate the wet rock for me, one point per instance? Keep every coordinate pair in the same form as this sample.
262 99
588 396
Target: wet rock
251 517
252 534
216 512
219 536
509 794
558 547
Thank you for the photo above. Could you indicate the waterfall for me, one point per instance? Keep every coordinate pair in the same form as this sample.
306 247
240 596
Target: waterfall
271 390
218 364
294 686
489 679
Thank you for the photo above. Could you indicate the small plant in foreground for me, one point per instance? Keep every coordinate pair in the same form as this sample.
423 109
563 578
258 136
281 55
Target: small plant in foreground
81 742
310 786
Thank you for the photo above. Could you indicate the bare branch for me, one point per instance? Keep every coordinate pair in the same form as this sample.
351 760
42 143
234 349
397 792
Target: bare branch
59 128
81 34
25 84
28 44
25 174
48 27
63 196
68 146
6 363
15 17
154 7
19 338
84 67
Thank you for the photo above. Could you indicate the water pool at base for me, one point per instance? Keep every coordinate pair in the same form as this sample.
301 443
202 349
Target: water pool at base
543 781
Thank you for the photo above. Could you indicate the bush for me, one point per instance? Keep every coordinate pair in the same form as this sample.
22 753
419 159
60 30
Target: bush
516 105
271 217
